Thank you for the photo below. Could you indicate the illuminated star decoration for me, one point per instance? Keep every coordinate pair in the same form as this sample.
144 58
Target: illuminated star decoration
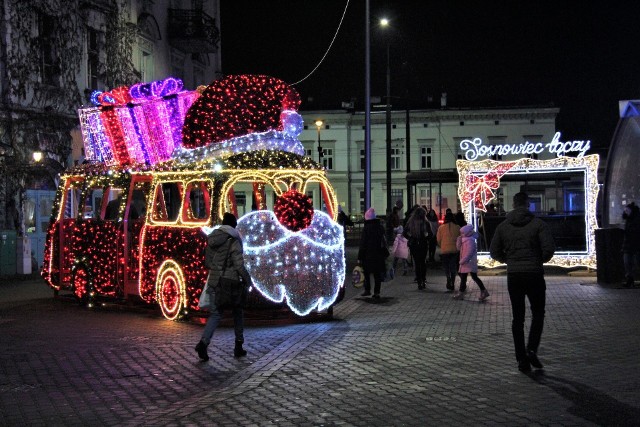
306 268
480 188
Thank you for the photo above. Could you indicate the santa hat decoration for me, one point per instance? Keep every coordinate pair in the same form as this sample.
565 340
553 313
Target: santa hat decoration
236 106
370 214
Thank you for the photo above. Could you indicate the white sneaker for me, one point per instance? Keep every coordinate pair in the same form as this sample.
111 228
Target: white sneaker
484 295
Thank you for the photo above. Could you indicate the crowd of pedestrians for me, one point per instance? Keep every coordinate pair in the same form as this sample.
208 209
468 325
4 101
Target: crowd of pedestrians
522 242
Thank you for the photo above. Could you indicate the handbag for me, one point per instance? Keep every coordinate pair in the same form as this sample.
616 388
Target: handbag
357 277
205 299
229 292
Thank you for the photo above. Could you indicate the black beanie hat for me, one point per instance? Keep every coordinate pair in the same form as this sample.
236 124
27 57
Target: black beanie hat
229 219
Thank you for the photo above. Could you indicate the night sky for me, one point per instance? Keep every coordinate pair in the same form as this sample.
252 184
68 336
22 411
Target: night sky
579 56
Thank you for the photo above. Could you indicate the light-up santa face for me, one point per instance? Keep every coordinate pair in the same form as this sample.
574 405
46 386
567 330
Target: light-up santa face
305 268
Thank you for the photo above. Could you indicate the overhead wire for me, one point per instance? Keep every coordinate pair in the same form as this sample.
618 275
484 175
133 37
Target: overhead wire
328 49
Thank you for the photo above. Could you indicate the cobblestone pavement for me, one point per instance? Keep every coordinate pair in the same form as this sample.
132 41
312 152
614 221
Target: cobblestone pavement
415 358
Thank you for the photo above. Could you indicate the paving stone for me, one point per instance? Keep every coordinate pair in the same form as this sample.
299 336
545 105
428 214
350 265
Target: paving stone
416 358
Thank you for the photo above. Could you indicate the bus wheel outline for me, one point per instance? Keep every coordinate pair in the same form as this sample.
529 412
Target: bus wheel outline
83 285
170 290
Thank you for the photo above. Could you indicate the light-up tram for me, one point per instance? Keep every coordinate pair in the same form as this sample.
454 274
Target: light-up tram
122 234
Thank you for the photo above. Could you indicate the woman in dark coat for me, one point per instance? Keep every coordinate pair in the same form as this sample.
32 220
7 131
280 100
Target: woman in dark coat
372 253
224 258
418 232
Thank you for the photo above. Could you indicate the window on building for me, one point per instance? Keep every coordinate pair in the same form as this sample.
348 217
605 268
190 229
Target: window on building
396 194
363 160
425 157
48 52
93 58
145 60
327 158
198 76
395 158
532 139
497 140
459 152
177 64
361 202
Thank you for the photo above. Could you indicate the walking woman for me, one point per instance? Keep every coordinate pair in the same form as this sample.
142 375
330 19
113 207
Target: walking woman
432 217
418 233
447 236
224 258
372 253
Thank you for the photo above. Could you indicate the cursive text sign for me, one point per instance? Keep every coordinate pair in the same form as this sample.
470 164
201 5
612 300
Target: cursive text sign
474 148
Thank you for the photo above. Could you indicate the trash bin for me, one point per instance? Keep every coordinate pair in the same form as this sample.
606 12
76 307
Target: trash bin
7 253
609 255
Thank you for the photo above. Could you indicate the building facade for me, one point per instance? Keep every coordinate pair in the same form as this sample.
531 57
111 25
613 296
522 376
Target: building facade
423 171
53 55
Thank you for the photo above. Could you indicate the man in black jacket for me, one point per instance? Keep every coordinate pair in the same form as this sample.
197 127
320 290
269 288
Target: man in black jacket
524 243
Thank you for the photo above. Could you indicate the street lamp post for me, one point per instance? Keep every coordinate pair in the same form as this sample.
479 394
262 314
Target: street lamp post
367 109
384 23
319 124
388 119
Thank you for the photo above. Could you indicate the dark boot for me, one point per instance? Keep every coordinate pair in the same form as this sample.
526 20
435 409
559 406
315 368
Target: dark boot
238 351
449 284
629 282
201 349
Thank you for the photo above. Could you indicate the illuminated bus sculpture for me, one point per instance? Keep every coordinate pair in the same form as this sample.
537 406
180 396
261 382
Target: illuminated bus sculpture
479 180
132 222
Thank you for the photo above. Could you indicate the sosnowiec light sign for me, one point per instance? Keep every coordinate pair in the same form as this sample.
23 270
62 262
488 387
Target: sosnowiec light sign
475 148
479 178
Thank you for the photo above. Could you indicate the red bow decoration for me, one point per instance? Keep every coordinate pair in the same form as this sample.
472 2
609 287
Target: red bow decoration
480 188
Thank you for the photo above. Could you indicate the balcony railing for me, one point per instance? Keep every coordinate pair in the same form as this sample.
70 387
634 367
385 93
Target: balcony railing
192 31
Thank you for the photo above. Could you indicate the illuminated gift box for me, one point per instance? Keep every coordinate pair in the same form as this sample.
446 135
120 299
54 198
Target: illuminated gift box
140 124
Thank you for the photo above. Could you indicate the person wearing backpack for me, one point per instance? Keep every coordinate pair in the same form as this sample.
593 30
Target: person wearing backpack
447 236
418 233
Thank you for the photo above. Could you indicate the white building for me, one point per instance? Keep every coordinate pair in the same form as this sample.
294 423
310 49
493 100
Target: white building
434 146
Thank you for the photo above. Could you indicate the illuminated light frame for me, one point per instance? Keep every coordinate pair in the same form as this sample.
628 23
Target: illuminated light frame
587 164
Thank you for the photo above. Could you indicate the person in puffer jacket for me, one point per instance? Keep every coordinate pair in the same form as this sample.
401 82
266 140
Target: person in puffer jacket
446 237
524 243
467 245
224 245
